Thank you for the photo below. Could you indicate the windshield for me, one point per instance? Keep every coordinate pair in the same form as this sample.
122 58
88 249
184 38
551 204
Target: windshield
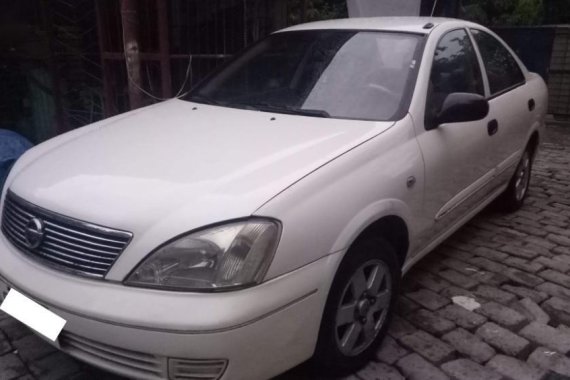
325 73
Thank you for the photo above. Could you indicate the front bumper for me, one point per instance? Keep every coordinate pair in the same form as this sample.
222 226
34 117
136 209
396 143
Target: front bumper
260 332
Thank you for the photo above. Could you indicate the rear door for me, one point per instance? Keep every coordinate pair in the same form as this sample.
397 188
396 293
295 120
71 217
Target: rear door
510 103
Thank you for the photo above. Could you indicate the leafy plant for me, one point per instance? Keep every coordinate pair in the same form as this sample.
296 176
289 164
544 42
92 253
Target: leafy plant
503 12
315 10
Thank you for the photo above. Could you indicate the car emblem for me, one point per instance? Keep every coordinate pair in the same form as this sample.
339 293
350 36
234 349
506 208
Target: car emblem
34 233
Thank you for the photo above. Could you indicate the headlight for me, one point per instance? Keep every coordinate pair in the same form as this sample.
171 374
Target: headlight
231 255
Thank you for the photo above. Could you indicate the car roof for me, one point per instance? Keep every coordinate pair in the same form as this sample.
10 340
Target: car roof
400 24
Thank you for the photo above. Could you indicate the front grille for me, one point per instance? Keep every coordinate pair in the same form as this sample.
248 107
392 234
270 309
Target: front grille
65 243
137 364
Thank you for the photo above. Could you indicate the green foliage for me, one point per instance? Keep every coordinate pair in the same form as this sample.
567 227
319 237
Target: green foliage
504 12
316 10
526 12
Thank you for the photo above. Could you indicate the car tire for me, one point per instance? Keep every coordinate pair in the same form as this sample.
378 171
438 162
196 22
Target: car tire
513 197
357 314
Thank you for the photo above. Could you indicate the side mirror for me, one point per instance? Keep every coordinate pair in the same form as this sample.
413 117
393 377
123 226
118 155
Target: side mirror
461 107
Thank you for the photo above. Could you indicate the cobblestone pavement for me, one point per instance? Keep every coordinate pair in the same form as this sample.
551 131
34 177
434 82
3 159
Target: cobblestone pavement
516 266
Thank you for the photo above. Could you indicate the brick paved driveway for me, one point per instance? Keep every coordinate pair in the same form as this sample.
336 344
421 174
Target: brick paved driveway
517 267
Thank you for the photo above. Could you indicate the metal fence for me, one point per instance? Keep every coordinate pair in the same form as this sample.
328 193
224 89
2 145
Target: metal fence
62 63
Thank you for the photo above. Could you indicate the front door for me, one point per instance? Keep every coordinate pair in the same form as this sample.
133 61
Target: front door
457 156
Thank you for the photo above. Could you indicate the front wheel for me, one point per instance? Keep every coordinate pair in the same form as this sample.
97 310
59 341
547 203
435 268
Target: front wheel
513 197
359 306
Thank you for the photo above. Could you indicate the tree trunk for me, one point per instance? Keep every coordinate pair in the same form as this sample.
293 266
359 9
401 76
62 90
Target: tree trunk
164 45
129 20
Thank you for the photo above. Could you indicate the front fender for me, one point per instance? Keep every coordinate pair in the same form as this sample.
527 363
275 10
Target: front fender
326 211
369 215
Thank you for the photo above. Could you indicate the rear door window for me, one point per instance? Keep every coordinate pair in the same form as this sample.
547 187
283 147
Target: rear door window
502 69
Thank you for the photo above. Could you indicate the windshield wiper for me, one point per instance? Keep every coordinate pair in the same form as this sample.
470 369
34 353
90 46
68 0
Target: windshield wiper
261 107
310 112
290 110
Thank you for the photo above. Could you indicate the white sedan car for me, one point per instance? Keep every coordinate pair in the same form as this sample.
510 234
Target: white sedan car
268 218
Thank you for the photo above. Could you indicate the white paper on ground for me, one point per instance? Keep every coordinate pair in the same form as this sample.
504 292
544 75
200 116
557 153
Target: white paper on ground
466 302
32 314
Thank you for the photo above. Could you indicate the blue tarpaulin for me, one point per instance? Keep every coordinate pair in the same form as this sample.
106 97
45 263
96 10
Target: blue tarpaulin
12 146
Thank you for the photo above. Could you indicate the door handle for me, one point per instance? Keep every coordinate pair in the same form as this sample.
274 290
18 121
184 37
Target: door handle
492 127
531 104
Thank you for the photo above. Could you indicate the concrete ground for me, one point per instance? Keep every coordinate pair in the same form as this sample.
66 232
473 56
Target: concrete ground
516 266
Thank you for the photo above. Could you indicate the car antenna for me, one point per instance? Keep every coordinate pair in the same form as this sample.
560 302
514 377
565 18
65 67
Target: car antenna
433 8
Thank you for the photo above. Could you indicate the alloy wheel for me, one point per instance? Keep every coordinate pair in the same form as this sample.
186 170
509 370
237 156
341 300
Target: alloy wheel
363 307
522 177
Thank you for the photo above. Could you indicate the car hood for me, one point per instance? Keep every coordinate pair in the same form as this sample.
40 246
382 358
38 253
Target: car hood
179 165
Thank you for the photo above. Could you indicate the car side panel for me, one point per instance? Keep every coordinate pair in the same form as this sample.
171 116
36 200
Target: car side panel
525 124
537 87
500 170
511 112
